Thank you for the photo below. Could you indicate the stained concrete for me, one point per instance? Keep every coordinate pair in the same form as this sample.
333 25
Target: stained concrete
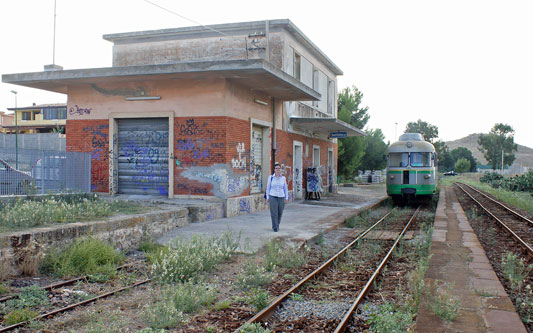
459 262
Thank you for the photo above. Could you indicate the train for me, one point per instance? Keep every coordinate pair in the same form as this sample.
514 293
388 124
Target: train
411 169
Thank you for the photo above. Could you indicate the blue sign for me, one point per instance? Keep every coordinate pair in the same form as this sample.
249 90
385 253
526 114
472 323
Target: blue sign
334 135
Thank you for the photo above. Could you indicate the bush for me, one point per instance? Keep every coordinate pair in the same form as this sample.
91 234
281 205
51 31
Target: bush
253 275
518 183
86 256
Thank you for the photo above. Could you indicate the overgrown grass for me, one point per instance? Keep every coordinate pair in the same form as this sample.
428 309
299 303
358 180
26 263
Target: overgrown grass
277 254
187 259
90 256
253 275
38 211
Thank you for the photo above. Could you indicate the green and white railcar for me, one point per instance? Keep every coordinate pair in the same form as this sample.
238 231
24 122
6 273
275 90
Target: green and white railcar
411 168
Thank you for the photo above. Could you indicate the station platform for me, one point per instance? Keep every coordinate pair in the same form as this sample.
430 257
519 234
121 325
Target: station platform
459 263
301 221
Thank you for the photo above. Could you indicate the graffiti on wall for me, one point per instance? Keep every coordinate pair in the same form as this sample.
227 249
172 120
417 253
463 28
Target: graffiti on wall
197 144
76 110
225 182
256 161
240 162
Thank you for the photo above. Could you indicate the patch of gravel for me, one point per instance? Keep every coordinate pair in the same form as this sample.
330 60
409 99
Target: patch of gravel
294 310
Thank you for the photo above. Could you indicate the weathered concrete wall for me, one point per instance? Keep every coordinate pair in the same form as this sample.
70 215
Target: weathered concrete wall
122 231
248 204
41 141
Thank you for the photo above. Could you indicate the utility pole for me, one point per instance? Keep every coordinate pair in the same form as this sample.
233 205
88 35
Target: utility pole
16 133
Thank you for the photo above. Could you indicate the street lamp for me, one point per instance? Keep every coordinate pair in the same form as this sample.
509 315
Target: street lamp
16 133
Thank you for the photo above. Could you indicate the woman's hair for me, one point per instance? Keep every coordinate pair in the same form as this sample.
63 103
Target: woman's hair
277 164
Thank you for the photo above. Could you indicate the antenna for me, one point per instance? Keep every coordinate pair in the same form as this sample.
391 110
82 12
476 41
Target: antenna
53 66
54 45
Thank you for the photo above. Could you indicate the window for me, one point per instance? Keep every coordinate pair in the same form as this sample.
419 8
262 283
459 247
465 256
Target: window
315 84
331 96
421 159
27 116
297 65
55 113
316 156
398 159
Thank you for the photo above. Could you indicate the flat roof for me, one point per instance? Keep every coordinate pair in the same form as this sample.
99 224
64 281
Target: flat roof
216 30
326 126
256 74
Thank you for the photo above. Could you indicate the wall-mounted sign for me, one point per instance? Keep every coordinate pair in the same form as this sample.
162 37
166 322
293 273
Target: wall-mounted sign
334 135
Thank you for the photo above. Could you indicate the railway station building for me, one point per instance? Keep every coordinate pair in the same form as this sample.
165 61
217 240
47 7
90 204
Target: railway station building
204 111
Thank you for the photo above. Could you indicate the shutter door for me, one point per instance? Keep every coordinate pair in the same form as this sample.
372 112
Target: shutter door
256 165
143 156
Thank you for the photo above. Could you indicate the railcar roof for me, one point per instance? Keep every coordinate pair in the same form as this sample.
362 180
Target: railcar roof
416 146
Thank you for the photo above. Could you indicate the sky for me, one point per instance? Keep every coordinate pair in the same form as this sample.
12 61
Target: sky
460 65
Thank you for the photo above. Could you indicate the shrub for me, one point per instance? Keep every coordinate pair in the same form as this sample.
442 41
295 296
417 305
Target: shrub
19 315
258 298
29 297
188 297
515 269
254 328
277 255
86 256
185 260
253 275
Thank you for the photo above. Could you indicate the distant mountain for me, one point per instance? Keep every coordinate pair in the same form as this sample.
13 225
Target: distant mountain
524 155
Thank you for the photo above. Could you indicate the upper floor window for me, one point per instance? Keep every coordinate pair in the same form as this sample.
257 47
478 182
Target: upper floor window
331 97
55 113
316 84
297 66
28 115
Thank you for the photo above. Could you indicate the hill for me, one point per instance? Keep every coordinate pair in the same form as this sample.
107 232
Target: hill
524 155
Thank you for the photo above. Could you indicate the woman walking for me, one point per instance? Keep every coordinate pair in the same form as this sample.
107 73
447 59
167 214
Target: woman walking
277 195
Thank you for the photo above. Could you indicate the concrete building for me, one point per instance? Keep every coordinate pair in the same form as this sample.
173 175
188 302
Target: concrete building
6 121
44 118
204 111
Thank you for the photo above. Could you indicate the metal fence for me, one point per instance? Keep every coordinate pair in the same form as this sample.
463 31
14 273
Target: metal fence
40 171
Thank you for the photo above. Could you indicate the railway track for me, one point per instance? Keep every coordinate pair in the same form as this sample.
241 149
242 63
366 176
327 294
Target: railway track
53 289
518 226
354 285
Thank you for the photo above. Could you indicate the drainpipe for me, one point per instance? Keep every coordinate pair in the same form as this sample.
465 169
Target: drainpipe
274 119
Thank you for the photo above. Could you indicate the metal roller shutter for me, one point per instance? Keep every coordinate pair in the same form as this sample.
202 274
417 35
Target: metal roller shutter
143 156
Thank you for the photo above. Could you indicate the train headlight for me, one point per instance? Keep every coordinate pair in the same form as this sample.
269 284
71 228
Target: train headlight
427 176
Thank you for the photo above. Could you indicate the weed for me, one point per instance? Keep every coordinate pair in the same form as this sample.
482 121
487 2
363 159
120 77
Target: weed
187 259
253 275
278 256
86 256
524 304
149 247
222 305
441 303
296 297
29 297
258 298
163 314
188 297
483 293
30 258
254 328
4 289
515 269
389 317
18 316
319 240
491 236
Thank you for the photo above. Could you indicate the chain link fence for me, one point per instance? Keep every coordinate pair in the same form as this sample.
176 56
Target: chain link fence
39 172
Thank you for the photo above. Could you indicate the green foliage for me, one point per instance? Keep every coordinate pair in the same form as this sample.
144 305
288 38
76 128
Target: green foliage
352 149
500 138
188 297
4 289
163 314
253 275
276 255
442 304
376 150
86 256
515 269
29 297
462 152
258 298
389 317
428 131
517 183
18 316
187 259
462 165
254 328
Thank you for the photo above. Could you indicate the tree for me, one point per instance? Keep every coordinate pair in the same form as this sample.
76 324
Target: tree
427 130
376 149
351 149
444 160
462 152
462 165
500 141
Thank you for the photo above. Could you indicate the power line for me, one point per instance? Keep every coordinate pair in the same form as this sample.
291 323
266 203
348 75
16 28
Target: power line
183 17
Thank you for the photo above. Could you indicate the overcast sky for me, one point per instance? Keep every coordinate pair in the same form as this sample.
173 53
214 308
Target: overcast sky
462 66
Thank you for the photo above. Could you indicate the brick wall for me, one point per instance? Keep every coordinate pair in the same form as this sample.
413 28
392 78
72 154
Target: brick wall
211 153
92 136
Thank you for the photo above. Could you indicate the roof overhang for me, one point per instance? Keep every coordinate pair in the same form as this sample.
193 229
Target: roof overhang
332 127
255 74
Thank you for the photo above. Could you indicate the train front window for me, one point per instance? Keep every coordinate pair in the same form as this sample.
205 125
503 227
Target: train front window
398 159
420 159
